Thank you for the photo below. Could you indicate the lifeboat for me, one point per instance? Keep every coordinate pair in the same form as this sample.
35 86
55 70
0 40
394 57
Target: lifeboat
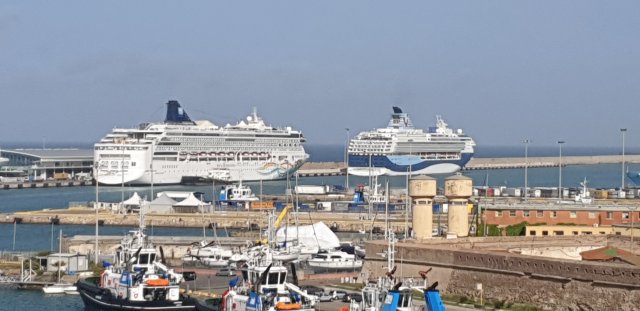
157 282
288 306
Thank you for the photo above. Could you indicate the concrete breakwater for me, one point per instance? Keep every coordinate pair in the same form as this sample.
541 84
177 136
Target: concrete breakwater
242 220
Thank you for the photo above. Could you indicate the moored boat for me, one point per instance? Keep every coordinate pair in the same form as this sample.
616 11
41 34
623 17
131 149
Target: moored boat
138 280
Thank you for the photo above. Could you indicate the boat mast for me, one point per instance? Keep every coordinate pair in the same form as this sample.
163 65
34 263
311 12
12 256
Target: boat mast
59 253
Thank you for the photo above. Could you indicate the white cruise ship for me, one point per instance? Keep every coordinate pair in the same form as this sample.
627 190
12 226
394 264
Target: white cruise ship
180 149
401 149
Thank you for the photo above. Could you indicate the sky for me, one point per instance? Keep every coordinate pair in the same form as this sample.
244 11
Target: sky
502 71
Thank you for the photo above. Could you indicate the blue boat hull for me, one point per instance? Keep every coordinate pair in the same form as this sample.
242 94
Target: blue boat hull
363 165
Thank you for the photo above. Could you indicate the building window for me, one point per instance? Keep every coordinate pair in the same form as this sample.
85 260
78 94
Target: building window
573 214
625 215
525 213
575 232
558 232
554 214
602 232
540 214
498 213
609 215
532 232
592 215
512 213
545 232
586 232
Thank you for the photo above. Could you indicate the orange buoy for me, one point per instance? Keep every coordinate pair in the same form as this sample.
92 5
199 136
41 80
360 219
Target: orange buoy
157 282
288 306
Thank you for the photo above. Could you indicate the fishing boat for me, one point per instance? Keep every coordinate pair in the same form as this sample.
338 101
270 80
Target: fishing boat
137 280
390 293
263 285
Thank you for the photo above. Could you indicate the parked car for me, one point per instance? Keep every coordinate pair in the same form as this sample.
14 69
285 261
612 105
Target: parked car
312 290
349 296
325 297
339 294
356 297
228 271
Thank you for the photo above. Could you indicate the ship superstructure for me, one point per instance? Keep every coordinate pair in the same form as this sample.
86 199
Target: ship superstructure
401 149
179 149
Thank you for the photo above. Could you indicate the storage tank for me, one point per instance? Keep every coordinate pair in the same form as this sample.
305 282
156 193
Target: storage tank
458 186
422 190
458 191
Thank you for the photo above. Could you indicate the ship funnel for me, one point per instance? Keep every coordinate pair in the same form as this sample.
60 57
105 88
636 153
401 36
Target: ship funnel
175 113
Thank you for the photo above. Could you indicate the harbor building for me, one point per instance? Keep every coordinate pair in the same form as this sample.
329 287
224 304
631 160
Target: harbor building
43 164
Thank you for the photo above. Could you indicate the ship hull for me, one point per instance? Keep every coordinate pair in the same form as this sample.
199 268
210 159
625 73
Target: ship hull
363 165
172 172
99 299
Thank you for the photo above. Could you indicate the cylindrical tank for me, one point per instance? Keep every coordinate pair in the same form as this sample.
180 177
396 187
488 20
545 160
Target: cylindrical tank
458 186
422 186
458 217
422 189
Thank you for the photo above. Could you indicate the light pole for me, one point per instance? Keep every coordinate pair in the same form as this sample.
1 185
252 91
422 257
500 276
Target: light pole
526 166
122 173
623 131
632 209
560 143
95 177
346 159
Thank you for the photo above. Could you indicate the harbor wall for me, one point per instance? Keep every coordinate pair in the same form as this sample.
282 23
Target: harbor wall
550 284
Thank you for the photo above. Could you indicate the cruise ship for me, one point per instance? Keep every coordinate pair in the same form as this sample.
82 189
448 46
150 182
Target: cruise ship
179 150
401 149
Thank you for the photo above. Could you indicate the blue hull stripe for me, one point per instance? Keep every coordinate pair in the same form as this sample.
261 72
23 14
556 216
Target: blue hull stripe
383 161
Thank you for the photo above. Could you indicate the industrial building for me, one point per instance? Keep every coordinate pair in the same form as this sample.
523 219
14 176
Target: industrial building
43 164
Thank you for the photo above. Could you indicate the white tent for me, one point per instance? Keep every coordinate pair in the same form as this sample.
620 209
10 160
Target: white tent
163 204
134 200
316 235
190 205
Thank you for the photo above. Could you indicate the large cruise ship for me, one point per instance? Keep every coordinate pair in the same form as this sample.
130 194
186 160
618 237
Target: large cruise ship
401 149
180 149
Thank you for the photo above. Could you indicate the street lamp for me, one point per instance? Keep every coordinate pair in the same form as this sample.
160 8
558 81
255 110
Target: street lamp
346 159
95 177
632 209
623 131
560 143
526 165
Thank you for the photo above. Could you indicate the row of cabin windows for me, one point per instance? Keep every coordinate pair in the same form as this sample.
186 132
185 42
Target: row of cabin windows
554 214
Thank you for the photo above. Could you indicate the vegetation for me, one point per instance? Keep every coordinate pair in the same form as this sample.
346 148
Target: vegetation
492 230
517 229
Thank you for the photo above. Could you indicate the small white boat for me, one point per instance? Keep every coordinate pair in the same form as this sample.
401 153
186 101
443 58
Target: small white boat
71 290
335 260
286 255
216 262
59 288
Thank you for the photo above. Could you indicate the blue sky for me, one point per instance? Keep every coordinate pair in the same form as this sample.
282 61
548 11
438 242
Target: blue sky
501 70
